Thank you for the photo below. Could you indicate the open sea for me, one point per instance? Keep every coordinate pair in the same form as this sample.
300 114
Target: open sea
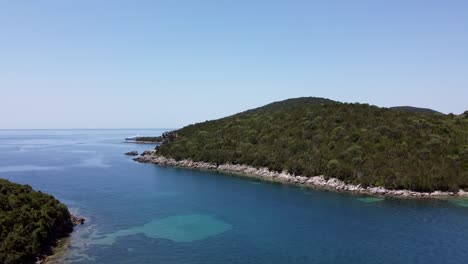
143 213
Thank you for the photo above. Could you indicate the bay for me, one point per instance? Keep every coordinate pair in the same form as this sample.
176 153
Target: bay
142 213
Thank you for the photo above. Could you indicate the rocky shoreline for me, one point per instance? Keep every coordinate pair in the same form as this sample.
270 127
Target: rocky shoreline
286 178
59 243
77 220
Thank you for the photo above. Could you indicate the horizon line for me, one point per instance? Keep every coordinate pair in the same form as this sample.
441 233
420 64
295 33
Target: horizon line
122 128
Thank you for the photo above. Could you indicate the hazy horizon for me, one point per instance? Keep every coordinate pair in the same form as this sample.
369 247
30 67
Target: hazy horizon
160 128
120 64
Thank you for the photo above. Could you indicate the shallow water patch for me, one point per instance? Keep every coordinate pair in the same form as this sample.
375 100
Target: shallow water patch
255 182
178 228
74 249
459 201
370 199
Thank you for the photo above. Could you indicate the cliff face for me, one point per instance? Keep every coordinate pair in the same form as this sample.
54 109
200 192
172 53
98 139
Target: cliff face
30 223
355 143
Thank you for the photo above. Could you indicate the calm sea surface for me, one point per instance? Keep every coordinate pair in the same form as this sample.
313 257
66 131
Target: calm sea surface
142 213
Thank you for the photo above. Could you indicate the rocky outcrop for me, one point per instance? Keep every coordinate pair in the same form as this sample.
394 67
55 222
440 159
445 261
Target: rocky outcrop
284 177
77 220
147 152
132 153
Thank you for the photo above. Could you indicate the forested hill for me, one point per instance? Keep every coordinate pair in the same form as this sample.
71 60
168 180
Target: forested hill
357 143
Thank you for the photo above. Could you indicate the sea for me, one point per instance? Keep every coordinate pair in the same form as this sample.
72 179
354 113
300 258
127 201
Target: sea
144 213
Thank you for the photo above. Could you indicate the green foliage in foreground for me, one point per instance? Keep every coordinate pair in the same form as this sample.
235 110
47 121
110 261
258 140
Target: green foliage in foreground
30 222
356 143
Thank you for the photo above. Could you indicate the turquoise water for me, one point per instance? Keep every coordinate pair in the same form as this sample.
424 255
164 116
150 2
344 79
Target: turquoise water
370 199
141 213
177 228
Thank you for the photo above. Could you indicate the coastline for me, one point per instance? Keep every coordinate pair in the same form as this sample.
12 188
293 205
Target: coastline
61 244
320 182
142 142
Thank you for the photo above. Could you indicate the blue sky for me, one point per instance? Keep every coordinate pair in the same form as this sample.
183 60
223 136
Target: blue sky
124 64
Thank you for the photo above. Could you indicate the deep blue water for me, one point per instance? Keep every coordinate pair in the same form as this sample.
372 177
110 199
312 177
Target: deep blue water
142 213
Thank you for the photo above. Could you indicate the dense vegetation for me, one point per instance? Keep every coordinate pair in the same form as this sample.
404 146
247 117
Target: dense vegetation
357 143
30 222
164 138
415 109
149 139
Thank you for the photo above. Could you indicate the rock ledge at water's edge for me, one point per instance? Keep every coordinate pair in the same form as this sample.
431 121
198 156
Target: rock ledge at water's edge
284 177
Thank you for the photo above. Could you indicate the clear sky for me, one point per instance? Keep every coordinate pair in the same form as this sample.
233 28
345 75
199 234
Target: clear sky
126 64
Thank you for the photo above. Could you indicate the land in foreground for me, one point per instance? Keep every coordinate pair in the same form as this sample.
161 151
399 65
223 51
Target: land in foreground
30 223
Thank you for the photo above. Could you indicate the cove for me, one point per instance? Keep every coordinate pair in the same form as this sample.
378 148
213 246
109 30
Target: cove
144 213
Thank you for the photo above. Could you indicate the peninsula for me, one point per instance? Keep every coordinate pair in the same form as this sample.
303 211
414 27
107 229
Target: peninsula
30 223
325 143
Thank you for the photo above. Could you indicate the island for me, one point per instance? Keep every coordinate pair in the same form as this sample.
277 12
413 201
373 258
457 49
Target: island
318 142
31 222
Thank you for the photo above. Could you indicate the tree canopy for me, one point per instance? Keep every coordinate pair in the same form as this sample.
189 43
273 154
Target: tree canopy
30 222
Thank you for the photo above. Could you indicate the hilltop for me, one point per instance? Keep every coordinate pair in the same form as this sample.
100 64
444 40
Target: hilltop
356 143
413 109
